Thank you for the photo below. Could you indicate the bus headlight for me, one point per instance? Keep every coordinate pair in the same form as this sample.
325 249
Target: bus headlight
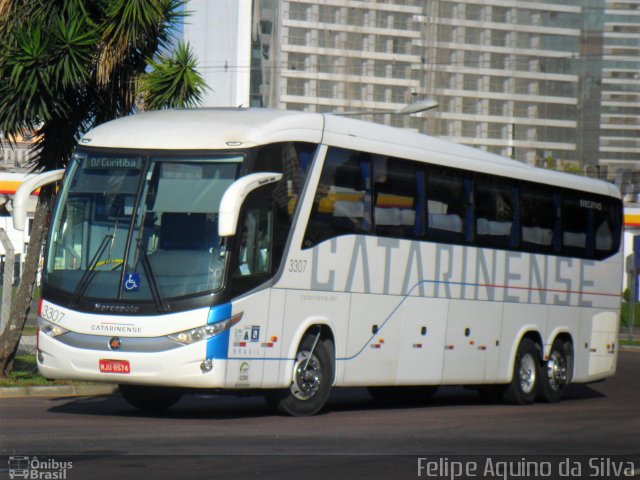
192 335
50 329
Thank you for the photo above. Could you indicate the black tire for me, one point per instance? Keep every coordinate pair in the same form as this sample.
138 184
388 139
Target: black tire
523 388
311 386
403 395
150 398
555 374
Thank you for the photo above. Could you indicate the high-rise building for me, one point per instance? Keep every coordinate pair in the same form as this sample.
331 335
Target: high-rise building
551 82
220 33
619 140
508 77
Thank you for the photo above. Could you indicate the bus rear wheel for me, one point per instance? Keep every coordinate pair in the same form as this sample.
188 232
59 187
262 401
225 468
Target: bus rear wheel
311 383
523 388
150 398
555 374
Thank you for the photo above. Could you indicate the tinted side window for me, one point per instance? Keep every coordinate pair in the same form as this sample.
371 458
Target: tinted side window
342 204
398 193
590 225
537 219
495 212
292 159
607 224
577 226
447 204
257 254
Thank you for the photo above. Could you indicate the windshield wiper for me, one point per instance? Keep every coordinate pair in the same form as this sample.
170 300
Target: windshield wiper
161 304
90 273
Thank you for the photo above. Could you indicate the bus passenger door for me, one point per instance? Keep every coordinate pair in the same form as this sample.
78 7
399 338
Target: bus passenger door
252 265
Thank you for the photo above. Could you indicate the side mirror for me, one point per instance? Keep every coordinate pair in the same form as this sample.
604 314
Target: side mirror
21 198
234 197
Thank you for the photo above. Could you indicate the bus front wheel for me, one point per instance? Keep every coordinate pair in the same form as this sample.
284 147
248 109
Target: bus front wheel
312 379
555 374
150 398
523 388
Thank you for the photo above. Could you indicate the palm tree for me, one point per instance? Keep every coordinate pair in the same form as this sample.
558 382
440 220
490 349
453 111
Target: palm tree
68 65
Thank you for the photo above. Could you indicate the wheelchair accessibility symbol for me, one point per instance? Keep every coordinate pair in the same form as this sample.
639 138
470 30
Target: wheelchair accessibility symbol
132 282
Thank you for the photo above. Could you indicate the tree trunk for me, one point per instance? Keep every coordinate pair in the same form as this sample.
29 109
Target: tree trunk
21 304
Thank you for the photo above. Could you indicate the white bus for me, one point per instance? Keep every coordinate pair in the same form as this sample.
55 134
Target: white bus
291 252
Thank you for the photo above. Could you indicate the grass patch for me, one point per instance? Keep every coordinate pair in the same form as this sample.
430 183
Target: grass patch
29 331
25 373
629 343
624 314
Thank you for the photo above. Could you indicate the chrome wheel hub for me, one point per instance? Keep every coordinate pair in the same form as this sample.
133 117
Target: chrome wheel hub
556 371
307 376
527 373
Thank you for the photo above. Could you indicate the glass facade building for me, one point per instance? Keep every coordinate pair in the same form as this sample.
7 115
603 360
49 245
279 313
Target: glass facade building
547 82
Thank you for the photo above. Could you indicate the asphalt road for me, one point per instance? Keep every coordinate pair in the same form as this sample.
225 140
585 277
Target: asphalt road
355 437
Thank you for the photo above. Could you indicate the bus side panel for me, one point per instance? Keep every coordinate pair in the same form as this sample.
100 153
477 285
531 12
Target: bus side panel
563 319
518 319
247 341
373 339
596 355
423 332
596 352
303 309
273 340
471 349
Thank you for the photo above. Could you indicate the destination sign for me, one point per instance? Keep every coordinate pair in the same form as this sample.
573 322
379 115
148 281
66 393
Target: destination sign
114 162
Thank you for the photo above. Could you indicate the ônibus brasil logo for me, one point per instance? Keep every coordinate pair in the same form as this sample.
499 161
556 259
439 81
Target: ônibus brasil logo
37 469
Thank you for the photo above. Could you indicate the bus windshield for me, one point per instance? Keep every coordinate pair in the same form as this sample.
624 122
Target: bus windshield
130 227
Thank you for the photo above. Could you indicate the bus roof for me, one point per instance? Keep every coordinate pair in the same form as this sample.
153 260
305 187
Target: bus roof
226 128
205 129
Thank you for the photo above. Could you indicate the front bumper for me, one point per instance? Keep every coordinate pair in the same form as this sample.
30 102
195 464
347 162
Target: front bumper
178 367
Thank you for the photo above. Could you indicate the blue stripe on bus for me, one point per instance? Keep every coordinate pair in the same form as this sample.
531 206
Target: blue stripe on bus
218 346
219 313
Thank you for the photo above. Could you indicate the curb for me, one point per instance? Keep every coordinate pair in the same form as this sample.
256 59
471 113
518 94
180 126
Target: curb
58 391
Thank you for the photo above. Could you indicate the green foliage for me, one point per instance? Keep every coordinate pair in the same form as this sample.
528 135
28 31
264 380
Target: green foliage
25 372
571 167
66 66
173 81
29 331
73 44
625 311
551 163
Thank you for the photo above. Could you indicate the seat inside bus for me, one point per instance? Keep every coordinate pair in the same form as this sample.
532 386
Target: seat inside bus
183 246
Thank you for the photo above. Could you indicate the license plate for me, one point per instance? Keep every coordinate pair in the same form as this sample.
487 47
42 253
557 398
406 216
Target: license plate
115 366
